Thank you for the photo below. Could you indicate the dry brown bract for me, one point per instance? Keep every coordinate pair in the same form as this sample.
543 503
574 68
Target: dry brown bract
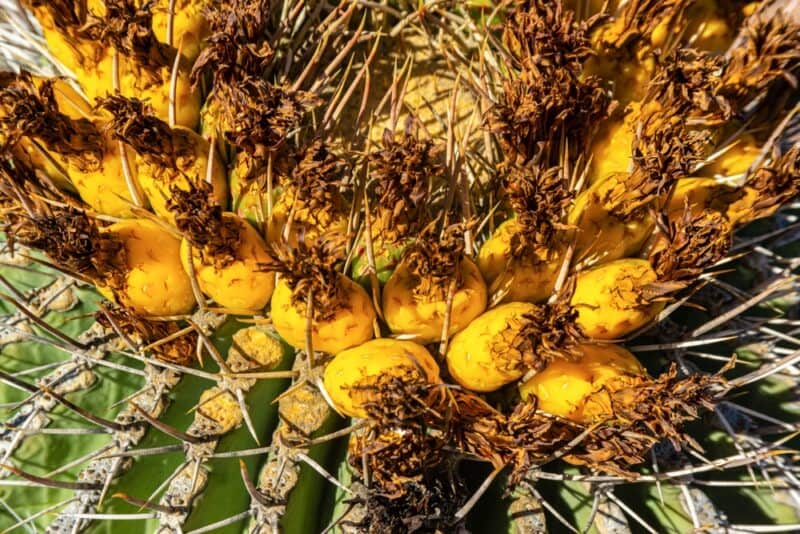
646 412
434 260
128 27
692 244
199 218
26 110
262 115
180 350
771 50
318 181
312 269
540 198
532 340
134 123
403 171
776 183
74 242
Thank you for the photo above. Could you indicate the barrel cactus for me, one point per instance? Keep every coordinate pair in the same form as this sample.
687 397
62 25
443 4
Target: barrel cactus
308 266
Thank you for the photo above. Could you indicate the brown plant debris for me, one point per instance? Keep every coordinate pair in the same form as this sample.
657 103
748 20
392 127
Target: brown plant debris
74 242
26 110
540 198
318 181
127 25
313 269
547 96
532 340
134 123
200 219
67 15
434 260
776 183
263 114
403 171
180 351
692 243
770 51
638 18
646 411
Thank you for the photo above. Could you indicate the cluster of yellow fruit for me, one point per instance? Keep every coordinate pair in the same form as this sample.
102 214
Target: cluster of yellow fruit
652 218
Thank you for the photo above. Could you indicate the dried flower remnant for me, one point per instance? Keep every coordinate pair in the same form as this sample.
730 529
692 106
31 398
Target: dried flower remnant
341 314
200 219
767 188
180 351
317 185
127 25
403 171
30 111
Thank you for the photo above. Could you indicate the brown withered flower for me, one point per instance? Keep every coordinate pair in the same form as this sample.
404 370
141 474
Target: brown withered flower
74 242
180 351
646 412
263 114
134 123
317 183
30 111
403 171
127 25
548 332
770 51
199 218
540 198
434 260
312 268
690 244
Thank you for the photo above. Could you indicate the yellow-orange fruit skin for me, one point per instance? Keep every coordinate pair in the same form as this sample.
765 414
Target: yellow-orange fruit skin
579 390
243 285
371 361
424 319
155 282
350 325
472 357
609 299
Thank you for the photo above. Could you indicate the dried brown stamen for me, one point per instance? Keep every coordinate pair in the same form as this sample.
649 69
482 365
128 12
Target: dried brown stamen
435 260
134 123
200 219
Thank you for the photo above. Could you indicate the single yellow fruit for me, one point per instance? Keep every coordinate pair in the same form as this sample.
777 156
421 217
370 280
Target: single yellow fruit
524 280
581 390
422 316
612 150
189 26
220 406
307 223
158 180
611 299
602 236
367 364
736 160
240 285
105 188
479 357
350 325
155 282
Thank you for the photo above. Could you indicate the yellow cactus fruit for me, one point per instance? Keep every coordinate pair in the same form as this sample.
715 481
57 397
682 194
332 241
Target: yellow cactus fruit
611 299
230 269
612 147
180 160
528 279
154 280
708 26
221 407
581 390
482 357
603 236
311 202
736 160
106 189
434 277
189 26
350 378
347 326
